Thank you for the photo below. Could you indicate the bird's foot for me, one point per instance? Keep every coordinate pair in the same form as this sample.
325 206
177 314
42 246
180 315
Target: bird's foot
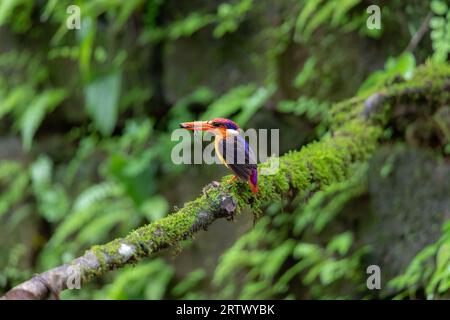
213 184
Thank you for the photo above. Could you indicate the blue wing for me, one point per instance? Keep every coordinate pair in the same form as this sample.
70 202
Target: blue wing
238 156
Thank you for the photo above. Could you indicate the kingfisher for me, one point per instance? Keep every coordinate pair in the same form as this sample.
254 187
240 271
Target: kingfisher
231 148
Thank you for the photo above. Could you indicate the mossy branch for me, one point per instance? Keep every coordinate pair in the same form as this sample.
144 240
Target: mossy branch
356 125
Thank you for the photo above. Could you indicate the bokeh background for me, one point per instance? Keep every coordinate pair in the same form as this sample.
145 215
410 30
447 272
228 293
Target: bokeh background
85 123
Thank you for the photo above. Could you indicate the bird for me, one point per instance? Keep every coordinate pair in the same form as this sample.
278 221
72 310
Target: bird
231 148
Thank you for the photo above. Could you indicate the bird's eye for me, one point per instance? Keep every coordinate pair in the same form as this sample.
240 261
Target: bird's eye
215 124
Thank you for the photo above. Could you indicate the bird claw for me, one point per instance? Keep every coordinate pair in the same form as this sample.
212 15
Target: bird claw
213 184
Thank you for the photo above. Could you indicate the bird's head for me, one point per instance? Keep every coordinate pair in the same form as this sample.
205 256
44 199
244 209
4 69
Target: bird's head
218 126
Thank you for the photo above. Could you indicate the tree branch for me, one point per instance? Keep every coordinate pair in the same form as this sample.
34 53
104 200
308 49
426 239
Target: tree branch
356 125
417 37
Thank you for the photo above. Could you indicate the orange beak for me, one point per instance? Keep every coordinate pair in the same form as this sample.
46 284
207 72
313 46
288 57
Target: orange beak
196 126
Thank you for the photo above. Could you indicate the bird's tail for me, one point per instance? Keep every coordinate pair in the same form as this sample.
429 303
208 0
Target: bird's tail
253 181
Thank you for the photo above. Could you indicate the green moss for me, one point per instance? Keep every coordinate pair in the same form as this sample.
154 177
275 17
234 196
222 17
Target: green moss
314 167
428 83
319 164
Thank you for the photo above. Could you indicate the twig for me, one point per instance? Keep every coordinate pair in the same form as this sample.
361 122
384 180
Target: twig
415 40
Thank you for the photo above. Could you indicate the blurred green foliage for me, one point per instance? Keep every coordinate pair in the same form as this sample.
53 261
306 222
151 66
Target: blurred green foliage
402 66
430 266
277 238
94 113
440 29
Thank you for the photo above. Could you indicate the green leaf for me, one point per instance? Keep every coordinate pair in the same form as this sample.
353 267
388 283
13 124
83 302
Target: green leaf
305 249
189 25
230 16
437 22
155 208
136 174
306 12
86 37
98 229
254 103
340 243
324 14
443 256
306 73
256 290
129 284
7 8
229 103
17 179
53 203
276 259
95 194
189 282
126 10
341 10
439 7
102 101
35 113
405 65
374 79
156 288
17 97
41 171
52 200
